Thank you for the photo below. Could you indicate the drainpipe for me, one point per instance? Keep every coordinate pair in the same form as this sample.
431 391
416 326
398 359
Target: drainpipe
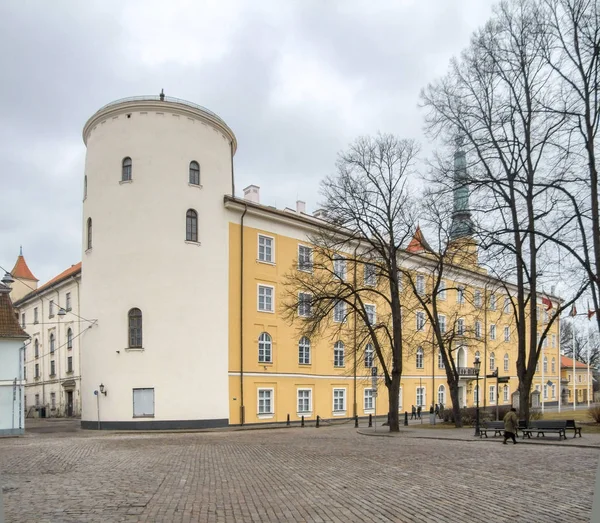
78 348
242 413
232 177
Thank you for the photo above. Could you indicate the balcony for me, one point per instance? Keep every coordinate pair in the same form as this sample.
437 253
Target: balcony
467 373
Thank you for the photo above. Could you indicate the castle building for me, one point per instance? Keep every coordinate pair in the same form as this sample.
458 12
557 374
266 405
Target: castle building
183 282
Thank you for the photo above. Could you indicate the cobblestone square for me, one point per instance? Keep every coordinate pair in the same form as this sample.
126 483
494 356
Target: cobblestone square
313 475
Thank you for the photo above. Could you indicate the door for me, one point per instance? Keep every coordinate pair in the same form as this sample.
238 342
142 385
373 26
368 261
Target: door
69 403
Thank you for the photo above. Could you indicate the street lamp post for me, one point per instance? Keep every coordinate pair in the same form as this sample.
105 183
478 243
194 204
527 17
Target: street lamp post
477 366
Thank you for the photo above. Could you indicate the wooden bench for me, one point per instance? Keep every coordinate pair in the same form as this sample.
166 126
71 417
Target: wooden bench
489 426
541 427
571 426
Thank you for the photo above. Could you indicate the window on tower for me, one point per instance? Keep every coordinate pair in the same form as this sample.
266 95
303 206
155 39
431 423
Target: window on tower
194 173
191 226
126 170
135 328
89 233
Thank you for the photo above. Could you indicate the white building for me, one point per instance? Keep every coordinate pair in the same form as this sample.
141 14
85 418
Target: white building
12 338
50 316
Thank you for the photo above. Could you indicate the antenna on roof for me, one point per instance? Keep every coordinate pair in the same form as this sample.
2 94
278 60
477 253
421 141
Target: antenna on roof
162 95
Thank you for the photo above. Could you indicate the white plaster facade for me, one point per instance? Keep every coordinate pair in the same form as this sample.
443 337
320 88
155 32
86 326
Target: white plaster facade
52 372
139 258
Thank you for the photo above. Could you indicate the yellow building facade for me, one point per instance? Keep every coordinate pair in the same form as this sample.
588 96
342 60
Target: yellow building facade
275 371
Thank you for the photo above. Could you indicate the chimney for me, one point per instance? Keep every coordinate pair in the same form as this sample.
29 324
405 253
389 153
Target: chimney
300 206
252 193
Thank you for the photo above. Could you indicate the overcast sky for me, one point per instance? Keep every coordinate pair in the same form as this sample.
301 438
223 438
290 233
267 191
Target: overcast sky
295 80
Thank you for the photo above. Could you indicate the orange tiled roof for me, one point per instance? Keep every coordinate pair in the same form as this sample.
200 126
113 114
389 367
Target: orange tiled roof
9 325
71 271
418 242
20 270
567 363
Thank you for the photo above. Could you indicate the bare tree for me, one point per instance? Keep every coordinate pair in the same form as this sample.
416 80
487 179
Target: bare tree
369 216
583 341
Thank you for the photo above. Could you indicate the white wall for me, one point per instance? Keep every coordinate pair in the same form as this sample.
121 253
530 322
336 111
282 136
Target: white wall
11 415
139 258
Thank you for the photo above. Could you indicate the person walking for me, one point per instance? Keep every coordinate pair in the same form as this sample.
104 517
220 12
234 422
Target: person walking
413 412
511 422
437 410
419 412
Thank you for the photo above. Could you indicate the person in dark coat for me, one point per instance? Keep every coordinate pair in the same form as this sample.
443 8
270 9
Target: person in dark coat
437 410
511 422
419 412
413 413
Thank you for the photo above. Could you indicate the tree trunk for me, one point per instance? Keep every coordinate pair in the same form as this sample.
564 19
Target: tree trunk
455 403
524 401
393 392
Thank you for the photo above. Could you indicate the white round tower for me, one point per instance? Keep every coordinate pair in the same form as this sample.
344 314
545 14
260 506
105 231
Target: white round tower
155 265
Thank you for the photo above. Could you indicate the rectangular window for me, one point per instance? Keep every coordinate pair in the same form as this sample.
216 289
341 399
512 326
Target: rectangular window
440 361
305 262
419 359
35 315
369 399
506 333
492 302
545 342
492 332
420 396
52 368
23 320
143 403
460 327
506 305
304 401
492 393
265 249
53 400
369 355
505 393
304 351
545 391
420 284
442 290
478 329
420 321
339 311
477 299
70 364
554 341
370 274
304 304
506 363
37 371
339 267
338 354
51 309
460 295
265 298
24 373
339 400
442 323
68 301
37 400
371 314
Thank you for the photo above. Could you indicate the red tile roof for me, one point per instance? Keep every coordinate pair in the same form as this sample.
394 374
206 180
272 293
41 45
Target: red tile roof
9 324
71 271
418 242
567 363
20 270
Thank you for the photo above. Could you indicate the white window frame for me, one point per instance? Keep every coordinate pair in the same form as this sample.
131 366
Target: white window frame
419 358
460 326
420 318
506 393
442 323
441 389
553 365
51 309
340 269
545 391
299 411
68 305
371 311
302 266
420 284
143 413
506 363
265 414
506 308
492 331
306 349
492 361
339 311
506 333
339 412
442 293
545 364
270 348
493 302
440 360
492 394
368 396
554 390
272 247
422 392
304 304
478 329
35 315
477 299
272 288
460 295
370 274
476 394
339 346
369 355
554 341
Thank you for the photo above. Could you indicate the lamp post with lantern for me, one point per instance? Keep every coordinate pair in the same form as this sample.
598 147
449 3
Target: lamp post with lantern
477 366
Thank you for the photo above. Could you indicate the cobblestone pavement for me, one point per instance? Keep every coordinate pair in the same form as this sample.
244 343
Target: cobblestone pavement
313 475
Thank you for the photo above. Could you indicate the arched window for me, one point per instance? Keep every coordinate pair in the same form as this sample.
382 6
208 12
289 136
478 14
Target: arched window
441 395
89 233
546 364
194 173
419 358
69 339
36 348
506 363
505 393
135 328
553 365
461 359
304 351
492 361
476 394
51 343
126 171
338 354
85 187
265 348
191 226
369 355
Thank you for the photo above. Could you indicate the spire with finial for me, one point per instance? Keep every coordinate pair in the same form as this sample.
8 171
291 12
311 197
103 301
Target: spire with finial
462 225
162 95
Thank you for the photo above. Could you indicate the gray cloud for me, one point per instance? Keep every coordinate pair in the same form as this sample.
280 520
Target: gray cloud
296 81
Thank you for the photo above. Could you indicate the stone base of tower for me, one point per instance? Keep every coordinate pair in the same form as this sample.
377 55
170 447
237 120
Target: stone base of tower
155 424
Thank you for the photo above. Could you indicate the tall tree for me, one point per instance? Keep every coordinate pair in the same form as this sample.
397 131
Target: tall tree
368 214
